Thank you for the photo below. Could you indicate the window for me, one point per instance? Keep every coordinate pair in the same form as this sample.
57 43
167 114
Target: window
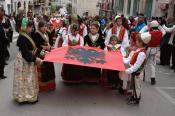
120 5
148 8
174 12
9 8
129 7
136 7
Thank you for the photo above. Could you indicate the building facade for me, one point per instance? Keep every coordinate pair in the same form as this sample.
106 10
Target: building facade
106 8
38 6
88 7
41 6
164 8
63 3
26 4
6 5
156 8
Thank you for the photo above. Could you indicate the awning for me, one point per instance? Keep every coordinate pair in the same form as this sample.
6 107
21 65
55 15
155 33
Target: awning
164 1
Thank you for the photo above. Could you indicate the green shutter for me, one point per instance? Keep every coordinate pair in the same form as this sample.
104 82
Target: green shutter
136 6
148 8
129 7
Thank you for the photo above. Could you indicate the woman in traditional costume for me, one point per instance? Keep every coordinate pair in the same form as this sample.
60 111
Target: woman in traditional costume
46 72
62 34
72 73
93 39
112 76
25 84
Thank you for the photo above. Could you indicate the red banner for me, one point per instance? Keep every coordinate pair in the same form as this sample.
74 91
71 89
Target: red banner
87 56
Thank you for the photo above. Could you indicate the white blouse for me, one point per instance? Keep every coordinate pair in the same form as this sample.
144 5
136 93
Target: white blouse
140 60
71 37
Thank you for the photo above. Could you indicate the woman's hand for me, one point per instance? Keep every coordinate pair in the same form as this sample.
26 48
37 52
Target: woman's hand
47 47
39 61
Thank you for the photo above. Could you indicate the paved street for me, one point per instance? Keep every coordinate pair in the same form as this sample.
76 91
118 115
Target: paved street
91 100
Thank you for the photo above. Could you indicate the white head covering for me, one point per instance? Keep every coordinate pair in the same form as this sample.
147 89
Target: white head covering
154 23
146 37
117 17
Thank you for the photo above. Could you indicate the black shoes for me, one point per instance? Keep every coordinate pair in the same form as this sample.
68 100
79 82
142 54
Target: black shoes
133 101
172 67
153 81
3 77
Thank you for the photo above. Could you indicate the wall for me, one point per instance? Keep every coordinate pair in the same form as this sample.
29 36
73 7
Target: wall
82 6
6 5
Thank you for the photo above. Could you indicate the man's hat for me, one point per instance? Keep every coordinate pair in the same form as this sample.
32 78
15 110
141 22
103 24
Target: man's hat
118 17
154 23
146 37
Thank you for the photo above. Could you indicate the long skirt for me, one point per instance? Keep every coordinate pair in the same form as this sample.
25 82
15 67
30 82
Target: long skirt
91 75
25 84
112 78
71 73
46 76
60 42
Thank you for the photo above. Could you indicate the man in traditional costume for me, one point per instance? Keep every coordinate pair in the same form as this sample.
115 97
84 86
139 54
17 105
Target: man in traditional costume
137 63
157 33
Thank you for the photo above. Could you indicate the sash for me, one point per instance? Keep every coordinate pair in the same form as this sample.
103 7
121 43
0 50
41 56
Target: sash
30 39
46 39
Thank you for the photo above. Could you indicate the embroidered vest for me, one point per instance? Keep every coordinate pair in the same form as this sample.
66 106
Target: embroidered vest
121 33
134 57
156 37
113 48
81 30
73 42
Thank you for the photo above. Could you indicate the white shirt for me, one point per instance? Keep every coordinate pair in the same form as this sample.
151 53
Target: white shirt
71 37
85 32
140 60
144 29
93 37
63 32
170 30
125 42
117 46
128 59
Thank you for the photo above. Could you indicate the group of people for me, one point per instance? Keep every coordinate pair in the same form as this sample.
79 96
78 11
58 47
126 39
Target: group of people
137 42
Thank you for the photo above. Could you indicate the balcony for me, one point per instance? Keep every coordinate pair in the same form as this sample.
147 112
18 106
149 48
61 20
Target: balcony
38 2
108 7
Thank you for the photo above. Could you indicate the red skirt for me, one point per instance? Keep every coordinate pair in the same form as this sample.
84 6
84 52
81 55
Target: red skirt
46 77
60 42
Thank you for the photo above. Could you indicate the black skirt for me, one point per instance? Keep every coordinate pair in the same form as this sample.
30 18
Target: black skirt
71 73
47 71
